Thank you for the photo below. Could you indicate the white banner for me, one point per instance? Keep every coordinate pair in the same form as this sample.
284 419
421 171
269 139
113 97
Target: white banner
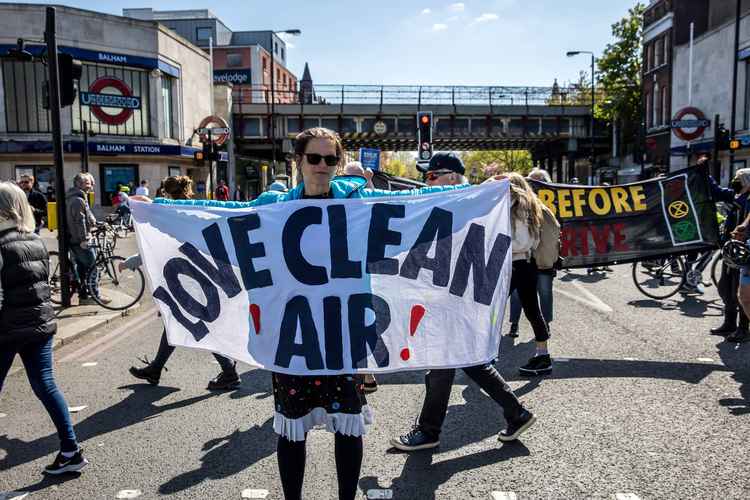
335 286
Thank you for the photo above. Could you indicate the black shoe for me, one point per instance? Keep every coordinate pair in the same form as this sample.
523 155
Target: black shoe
224 382
517 427
148 373
62 464
723 330
739 336
417 439
538 365
513 332
370 387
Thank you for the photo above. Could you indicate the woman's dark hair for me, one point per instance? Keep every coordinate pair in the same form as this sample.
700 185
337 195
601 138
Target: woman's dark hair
304 137
178 187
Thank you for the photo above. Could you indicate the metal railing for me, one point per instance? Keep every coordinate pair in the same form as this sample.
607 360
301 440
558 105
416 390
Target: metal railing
418 95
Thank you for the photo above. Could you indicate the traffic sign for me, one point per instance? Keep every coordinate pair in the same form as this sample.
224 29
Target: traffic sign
370 158
217 138
689 124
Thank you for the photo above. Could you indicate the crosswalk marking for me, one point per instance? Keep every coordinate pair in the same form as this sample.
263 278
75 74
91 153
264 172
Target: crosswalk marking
626 496
379 493
504 495
89 364
706 360
129 494
254 493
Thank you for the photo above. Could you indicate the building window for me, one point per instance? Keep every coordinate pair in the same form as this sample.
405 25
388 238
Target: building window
234 60
174 171
656 107
283 54
649 105
650 57
203 34
666 49
251 127
658 48
44 178
168 105
131 120
22 86
665 106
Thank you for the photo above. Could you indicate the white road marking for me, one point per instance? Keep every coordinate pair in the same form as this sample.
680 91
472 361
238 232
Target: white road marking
76 409
561 360
15 495
504 495
626 496
706 360
112 337
588 299
3 415
630 359
129 494
379 493
90 363
250 493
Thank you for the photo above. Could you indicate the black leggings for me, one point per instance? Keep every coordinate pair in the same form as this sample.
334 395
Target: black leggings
523 280
291 457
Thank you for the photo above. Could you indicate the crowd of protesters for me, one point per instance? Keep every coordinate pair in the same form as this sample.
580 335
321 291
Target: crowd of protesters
337 402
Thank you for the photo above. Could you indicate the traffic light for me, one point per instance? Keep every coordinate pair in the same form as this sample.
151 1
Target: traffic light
735 144
70 73
723 138
424 135
199 158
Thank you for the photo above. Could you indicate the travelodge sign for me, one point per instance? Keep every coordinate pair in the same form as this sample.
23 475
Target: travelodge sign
109 93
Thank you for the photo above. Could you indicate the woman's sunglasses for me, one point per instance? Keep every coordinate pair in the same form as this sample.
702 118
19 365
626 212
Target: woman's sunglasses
314 159
431 176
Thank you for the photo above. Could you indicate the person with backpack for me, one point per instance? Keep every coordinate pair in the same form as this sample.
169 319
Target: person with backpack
546 257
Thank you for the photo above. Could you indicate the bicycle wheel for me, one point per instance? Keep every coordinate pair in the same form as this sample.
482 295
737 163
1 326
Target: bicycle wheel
55 287
659 278
716 269
121 230
116 290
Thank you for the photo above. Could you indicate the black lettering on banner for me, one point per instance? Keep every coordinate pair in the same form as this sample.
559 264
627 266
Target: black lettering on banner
341 266
291 241
439 225
246 251
471 259
333 336
172 270
379 236
363 335
298 311
222 273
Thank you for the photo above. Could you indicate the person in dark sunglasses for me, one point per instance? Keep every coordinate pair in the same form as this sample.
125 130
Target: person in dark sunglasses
303 402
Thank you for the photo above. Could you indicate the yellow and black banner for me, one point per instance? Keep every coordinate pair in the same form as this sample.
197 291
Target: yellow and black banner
630 222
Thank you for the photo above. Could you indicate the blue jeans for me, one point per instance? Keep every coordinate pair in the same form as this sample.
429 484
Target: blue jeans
84 260
544 289
37 359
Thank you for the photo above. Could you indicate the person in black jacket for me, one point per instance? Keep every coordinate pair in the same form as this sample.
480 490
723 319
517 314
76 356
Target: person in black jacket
36 199
27 319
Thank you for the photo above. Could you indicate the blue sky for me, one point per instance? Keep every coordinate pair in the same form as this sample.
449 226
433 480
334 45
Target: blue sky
482 42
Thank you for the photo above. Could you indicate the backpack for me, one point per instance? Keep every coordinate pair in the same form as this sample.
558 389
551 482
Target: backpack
548 251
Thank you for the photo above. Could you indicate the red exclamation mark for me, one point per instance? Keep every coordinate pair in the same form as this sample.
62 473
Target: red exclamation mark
255 313
417 313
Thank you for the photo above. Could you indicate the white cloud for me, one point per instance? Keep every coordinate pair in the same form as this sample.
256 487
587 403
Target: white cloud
457 7
439 27
485 18
426 11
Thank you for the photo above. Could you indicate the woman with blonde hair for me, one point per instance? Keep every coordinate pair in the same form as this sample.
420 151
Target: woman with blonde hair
526 217
27 318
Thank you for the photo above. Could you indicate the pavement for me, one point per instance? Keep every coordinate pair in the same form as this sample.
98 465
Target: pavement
642 404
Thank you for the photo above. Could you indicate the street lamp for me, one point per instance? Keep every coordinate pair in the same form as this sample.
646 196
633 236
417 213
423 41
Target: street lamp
574 53
272 47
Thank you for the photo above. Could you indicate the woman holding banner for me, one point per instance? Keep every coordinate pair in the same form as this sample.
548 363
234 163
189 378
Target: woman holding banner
304 402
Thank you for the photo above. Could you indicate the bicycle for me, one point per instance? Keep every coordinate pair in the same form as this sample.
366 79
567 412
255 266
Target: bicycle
663 277
121 223
117 290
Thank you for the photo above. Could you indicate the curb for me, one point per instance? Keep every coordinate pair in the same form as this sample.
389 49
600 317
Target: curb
63 338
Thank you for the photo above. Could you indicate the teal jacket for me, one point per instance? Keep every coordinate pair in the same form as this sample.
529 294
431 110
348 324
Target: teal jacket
341 187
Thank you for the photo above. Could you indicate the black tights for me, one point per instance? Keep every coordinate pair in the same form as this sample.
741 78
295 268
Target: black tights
291 457
523 280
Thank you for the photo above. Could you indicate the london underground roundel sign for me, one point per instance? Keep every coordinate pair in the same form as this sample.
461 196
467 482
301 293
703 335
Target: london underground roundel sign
109 93
689 124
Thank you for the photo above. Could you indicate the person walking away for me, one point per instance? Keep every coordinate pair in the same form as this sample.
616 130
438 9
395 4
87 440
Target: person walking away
447 169
222 191
27 319
142 190
546 265
80 221
180 188
239 194
36 199
301 401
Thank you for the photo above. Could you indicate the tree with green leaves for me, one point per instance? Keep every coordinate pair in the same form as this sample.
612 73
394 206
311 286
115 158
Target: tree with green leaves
477 163
619 76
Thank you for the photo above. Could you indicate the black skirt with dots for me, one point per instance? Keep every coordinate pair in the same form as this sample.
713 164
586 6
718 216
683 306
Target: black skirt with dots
335 402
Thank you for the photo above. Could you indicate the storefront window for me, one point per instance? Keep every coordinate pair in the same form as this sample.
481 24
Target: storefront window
174 171
22 85
114 176
170 127
129 116
44 178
